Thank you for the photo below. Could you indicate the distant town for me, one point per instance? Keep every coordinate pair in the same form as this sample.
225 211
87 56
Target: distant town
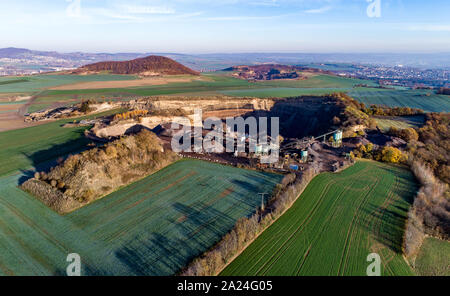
17 61
400 75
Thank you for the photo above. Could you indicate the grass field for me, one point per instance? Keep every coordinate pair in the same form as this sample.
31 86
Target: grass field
331 67
152 227
403 98
318 81
212 84
13 80
36 83
37 107
221 84
281 92
335 224
33 146
399 122
433 258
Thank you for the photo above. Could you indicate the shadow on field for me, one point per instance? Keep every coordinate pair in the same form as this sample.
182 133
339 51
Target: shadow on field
407 185
385 225
43 160
201 218
167 251
246 185
154 254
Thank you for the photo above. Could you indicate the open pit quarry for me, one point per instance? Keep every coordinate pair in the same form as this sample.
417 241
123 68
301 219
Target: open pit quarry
299 117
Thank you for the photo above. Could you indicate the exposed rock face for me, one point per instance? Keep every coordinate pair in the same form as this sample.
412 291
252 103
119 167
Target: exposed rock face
189 105
216 106
70 111
162 107
148 66
304 116
298 117
105 131
49 114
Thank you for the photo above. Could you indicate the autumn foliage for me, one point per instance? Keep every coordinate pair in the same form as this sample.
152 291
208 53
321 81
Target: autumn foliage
135 114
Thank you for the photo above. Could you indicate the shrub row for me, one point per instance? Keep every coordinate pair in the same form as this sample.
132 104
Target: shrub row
429 214
247 229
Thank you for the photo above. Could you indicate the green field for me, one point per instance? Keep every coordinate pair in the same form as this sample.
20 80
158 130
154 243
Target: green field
38 107
335 224
331 67
34 146
400 122
281 92
319 81
403 98
13 80
36 83
214 83
152 227
219 83
316 85
433 258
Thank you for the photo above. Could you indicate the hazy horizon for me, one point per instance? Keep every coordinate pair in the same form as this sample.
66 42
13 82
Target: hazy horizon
105 51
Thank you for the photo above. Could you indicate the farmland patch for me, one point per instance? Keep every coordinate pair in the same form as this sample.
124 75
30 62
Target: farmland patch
147 228
433 258
127 83
421 99
335 224
399 122
35 83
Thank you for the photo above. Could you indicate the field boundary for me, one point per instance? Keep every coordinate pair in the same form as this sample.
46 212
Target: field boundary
155 237
296 188
348 227
271 222
262 230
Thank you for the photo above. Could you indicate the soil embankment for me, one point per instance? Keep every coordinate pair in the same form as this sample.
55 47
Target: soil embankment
86 177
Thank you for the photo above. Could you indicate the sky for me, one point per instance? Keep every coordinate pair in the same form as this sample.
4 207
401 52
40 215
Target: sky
227 26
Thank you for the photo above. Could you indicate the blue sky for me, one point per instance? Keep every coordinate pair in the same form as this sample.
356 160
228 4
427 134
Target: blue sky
202 26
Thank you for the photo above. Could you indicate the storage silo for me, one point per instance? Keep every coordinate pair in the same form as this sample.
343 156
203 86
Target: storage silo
337 136
337 139
258 149
304 155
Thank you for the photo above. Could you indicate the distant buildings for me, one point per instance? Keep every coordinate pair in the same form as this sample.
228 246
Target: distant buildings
400 75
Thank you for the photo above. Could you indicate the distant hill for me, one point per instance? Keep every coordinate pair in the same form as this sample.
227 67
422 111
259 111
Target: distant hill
151 65
12 52
74 57
267 72
272 72
17 61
